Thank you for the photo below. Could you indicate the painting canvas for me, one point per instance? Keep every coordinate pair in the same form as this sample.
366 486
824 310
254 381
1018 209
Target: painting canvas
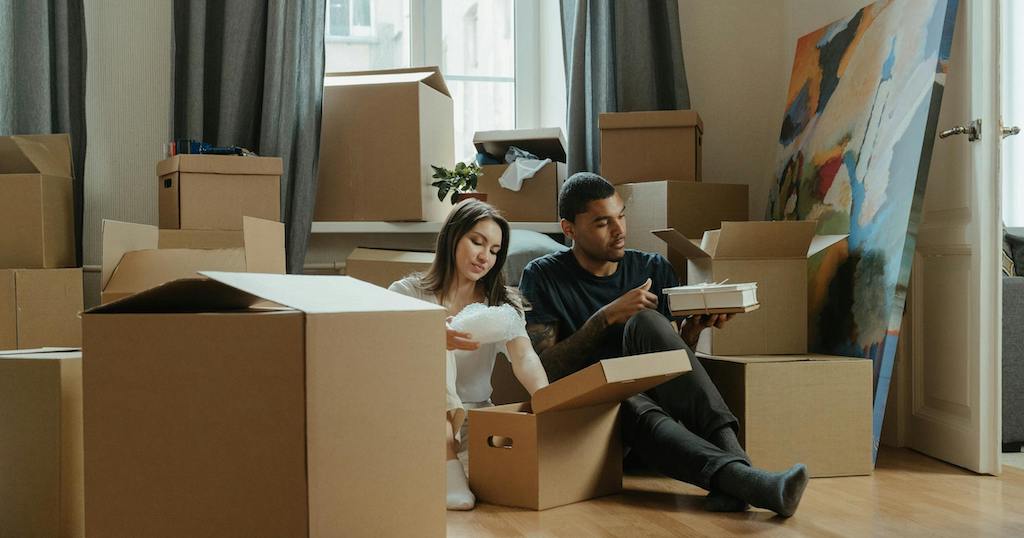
855 146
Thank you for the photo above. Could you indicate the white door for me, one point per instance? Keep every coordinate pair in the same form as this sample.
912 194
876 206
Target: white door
956 320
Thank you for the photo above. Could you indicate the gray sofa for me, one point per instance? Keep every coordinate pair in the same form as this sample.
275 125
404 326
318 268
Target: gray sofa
1013 344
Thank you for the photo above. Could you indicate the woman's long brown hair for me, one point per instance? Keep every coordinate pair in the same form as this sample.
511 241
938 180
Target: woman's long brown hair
439 278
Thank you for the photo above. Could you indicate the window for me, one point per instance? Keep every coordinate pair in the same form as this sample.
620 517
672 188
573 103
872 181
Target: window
349 18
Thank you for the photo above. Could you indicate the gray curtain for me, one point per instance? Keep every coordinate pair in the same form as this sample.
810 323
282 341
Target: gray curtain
42 79
620 56
250 73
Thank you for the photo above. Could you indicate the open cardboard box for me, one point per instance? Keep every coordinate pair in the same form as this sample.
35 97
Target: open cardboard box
537 200
382 266
563 446
133 260
214 192
651 146
40 307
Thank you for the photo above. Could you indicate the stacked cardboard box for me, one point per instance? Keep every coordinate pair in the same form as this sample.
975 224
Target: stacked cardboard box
537 198
214 192
381 267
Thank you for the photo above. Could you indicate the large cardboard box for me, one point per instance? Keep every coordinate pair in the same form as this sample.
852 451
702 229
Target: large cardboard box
133 259
772 254
563 446
537 199
380 132
811 409
207 417
37 215
214 192
651 146
40 307
381 267
690 208
41 443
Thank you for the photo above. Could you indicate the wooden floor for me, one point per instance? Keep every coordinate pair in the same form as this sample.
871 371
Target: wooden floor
908 495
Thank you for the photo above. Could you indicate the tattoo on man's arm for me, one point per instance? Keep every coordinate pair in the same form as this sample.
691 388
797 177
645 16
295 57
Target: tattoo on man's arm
572 354
542 335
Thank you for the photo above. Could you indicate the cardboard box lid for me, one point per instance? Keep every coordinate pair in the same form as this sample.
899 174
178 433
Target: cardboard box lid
43 353
546 143
753 240
221 164
36 154
768 359
610 381
429 75
650 119
388 255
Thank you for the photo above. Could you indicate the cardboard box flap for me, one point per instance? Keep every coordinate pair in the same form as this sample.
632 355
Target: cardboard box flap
610 381
765 359
264 246
221 164
429 75
775 239
182 295
120 238
320 294
547 143
650 119
144 269
822 242
388 255
36 154
43 353
676 241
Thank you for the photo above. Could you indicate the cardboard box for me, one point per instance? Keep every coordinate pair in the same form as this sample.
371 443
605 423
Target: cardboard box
691 208
37 215
563 446
651 146
41 443
214 192
206 417
133 260
811 409
380 132
382 267
772 254
40 307
204 239
537 199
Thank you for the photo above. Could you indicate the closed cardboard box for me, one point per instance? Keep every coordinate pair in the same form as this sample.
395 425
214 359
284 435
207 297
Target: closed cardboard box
214 192
382 267
651 146
537 198
690 208
205 416
773 255
380 132
40 307
41 443
563 446
37 216
810 409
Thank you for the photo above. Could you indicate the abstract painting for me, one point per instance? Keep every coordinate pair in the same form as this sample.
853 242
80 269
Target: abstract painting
855 147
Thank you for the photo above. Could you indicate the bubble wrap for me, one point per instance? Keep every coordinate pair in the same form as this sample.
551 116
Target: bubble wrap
488 324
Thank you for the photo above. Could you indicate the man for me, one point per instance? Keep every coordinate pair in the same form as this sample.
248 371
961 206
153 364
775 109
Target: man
599 300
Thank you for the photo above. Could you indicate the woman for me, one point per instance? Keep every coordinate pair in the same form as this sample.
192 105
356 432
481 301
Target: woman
471 250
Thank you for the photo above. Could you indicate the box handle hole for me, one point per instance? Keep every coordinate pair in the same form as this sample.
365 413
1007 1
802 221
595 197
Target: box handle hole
168 183
497 441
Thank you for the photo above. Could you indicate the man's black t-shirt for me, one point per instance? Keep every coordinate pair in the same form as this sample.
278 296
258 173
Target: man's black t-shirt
558 289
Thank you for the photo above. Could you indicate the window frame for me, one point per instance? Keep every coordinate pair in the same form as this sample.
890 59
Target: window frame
357 33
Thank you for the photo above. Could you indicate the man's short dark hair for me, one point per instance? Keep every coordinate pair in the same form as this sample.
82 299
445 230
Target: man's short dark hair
579 190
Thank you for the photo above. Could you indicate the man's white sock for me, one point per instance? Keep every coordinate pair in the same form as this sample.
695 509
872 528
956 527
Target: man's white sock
459 496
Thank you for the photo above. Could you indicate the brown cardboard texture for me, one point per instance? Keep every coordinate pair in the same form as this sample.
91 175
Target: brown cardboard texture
40 307
205 416
41 443
811 409
381 131
773 255
537 199
382 267
564 446
200 239
37 216
133 261
690 208
651 146
214 192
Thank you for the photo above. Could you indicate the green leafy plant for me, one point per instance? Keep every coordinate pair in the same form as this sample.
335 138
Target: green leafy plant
461 179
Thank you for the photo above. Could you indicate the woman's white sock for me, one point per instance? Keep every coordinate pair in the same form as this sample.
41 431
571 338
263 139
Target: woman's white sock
459 496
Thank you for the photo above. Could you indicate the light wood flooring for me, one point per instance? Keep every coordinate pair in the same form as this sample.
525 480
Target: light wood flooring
909 495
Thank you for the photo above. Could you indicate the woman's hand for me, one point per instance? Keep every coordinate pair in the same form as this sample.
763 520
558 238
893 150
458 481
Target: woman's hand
459 340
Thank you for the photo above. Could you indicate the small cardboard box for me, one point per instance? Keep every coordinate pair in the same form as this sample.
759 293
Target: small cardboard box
773 255
691 208
41 443
651 146
37 215
563 446
205 416
40 307
537 199
133 260
811 409
381 131
214 192
382 267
